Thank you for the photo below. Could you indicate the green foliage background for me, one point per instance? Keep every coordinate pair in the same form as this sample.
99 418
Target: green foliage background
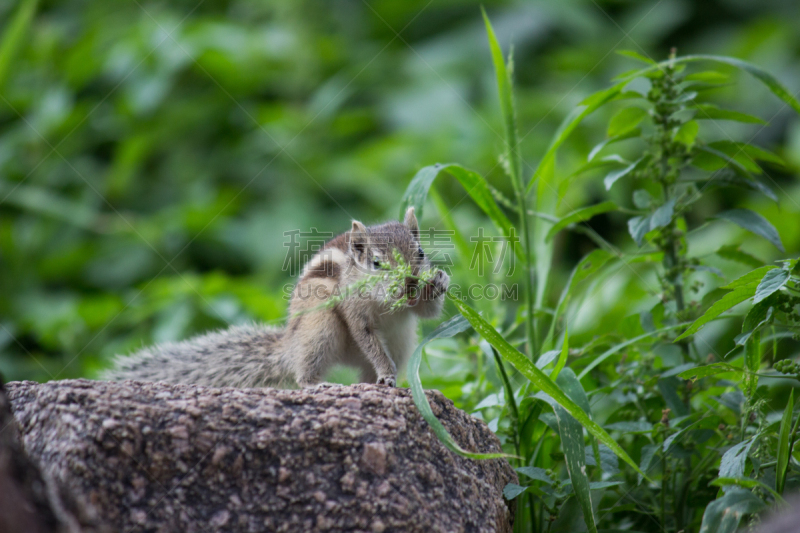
153 157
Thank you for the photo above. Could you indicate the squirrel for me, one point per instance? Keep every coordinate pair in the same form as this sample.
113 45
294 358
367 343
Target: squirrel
362 330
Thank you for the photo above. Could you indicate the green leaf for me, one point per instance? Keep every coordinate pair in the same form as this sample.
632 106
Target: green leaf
752 362
663 215
708 76
733 462
708 370
612 160
724 514
613 176
636 55
712 112
638 227
621 346
783 445
635 132
734 297
639 426
761 75
747 154
568 125
755 223
449 328
759 314
751 278
687 133
772 282
648 452
642 199
712 159
571 433
512 490
579 216
14 36
475 185
562 359
538 378
594 261
732 252
535 473
625 120
745 482
733 179
546 358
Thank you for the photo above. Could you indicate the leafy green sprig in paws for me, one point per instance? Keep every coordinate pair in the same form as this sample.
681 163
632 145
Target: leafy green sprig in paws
391 280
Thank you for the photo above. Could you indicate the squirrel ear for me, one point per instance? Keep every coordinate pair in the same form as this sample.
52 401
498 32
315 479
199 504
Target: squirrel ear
358 238
411 221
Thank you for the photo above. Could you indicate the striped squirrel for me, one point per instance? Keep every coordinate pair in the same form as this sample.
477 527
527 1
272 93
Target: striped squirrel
358 330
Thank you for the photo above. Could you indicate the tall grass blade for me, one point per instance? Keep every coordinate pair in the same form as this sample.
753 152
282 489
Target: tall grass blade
514 159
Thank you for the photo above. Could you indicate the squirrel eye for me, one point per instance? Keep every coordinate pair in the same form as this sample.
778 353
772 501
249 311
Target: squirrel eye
421 253
376 263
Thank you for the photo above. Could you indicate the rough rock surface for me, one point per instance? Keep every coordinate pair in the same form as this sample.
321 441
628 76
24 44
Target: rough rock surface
158 457
29 501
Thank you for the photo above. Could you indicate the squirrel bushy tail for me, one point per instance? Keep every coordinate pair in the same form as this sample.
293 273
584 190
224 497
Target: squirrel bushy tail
241 356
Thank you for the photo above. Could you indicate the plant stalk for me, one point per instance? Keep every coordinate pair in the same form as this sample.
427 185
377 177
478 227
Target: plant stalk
515 169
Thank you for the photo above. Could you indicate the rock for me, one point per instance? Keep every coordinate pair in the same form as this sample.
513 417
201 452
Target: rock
159 457
30 501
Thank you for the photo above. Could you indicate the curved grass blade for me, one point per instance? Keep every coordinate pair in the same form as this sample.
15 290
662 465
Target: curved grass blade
752 362
619 347
449 328
712 112
562 358
580 215
735 297
783 445
14 36
590 264
476 187
587 107
753 277
539 379
709 370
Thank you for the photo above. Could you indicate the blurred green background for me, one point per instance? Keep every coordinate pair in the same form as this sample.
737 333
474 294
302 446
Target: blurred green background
152 154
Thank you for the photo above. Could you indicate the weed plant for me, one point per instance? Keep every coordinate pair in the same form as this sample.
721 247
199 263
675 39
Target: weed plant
638 429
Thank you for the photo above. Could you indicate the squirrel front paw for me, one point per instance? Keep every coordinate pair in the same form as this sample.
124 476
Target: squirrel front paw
438 285
389 381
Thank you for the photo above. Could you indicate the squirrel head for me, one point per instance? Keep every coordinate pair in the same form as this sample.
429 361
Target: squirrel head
374 246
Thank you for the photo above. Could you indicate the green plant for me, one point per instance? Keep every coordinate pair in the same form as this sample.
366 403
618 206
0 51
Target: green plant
663 405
